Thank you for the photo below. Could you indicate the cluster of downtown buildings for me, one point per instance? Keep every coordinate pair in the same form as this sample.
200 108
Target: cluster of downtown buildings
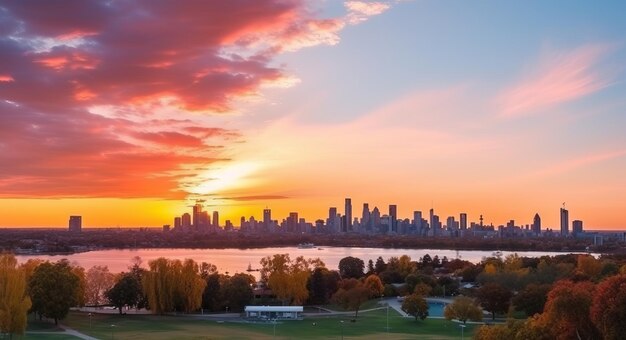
375 222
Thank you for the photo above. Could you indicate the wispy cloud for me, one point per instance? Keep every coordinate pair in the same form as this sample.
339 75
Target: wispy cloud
559 77
578 162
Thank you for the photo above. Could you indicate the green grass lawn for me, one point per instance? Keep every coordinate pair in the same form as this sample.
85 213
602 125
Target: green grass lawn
370 325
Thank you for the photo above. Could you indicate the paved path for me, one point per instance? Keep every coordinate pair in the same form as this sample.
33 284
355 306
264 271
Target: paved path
66 331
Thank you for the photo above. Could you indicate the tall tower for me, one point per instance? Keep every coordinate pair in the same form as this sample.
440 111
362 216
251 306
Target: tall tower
463 221
267 217
564 221
348 224
197 212
393 216
431 219
365 219
216 219
537 224
76 224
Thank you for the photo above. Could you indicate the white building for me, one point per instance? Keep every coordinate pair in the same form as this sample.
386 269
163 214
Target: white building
274 312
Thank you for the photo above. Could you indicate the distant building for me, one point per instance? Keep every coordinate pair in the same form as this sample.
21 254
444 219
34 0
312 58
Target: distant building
267 217
463 221
178 222
348 224
76 224
186 220
577 227
216 219
393 217
365 219
197 212
417 220
537 224
166 228
564 222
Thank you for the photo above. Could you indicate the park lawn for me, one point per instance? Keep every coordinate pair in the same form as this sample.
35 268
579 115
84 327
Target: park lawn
369 325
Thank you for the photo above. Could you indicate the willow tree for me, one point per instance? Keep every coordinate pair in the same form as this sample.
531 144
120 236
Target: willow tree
171 285
14 301
288 278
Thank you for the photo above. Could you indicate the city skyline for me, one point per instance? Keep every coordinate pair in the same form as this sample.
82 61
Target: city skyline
127 113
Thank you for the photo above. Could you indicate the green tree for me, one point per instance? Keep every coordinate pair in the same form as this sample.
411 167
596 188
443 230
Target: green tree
416 306
532 299
494 298
380 265
54 289
125 292
211 297
463 308
14 300
351 267
237 292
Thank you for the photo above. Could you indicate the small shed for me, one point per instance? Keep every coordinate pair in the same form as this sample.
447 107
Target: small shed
274 312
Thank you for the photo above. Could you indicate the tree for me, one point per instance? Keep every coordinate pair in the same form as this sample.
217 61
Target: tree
608 309
589 266
211 297
375 285
351 295
125 292
159 285
494 298
463 308
98 281
190 286
237 292
54 289
380 265
14 300
532 299
416 306
288 279
422 289
351 267
370 267
567 310
81 289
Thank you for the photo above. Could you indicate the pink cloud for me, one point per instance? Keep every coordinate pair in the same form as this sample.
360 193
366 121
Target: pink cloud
559 78
83 88
359 11
578 162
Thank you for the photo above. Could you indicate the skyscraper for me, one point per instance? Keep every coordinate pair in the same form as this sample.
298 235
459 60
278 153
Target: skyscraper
417 220
463 221
393 217
216 219
375 217
431 220
564 222
197 212
267 217
348 224
186 220
537 224
332 216
76 224
577 227
365 219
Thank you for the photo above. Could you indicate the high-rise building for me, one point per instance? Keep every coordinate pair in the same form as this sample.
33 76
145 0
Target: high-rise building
365 219
178 222
331 222
267 217
564 222
216 219
577 227
197 212
76 224
393 217
463 221
537 224
417 220
375 217
292 222
431 220
348 224
186 220
450 223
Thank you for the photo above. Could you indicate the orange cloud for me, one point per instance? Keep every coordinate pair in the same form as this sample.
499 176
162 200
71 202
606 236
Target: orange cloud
572 164
560 77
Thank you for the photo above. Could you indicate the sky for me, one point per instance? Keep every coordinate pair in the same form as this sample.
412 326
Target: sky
126 112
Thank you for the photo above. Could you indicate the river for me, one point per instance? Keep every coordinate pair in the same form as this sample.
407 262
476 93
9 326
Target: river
237 260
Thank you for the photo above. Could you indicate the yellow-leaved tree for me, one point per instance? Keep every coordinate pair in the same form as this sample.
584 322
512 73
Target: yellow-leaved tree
14 301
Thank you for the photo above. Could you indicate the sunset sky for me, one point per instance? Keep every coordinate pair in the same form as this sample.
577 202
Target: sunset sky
125 112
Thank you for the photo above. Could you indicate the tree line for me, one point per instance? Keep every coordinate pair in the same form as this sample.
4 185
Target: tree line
536 287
